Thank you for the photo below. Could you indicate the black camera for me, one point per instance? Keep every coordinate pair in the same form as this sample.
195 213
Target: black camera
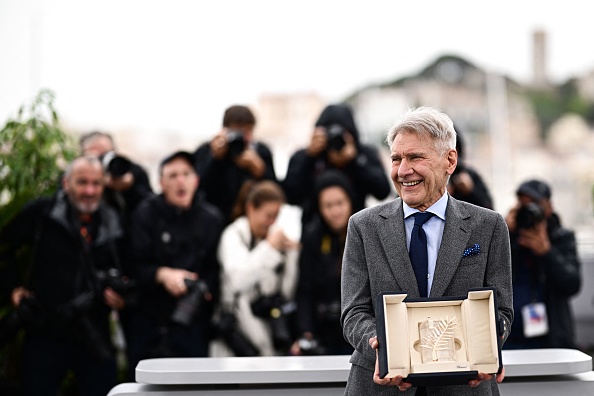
189 304
529 215
116 165
235 143
75 314
335 134
310 347
29 311
122 285
276 310
226 327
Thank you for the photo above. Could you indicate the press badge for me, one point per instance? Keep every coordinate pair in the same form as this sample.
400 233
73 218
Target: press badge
535 320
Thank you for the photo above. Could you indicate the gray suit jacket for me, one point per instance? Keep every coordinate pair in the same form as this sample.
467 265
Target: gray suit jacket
376 260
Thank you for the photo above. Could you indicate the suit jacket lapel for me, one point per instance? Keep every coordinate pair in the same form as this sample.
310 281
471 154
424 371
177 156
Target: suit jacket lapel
456 234
393 239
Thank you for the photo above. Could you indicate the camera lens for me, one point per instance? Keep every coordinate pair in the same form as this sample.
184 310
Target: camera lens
529 215
335 137
188 305
116 165
235 143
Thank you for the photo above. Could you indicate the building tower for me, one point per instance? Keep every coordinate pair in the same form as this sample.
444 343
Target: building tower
540 77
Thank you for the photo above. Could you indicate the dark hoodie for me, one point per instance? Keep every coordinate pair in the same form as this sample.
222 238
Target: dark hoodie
365 172
320 265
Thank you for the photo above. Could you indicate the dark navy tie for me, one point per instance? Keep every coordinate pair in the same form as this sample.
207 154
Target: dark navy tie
418 251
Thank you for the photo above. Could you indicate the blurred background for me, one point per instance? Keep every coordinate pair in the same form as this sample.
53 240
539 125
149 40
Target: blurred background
516 77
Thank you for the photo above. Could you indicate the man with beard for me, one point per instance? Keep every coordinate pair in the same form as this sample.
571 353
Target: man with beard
174 236
60 299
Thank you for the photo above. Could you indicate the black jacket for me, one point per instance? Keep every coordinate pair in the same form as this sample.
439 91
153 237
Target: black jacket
62 267
221 180
553 279
125 202
162 235
366 172
318 291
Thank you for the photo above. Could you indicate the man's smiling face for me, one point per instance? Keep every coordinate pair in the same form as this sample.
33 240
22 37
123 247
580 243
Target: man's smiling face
419 171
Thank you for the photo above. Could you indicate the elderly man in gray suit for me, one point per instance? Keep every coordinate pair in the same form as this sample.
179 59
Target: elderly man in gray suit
376 257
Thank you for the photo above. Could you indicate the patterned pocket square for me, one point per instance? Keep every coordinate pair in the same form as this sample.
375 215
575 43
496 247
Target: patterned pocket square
471 251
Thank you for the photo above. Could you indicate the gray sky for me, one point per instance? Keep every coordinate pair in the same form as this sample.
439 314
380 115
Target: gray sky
173 66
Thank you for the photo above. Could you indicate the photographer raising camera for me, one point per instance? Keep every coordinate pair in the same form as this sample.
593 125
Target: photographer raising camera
335 144
232 157
546 271
259 277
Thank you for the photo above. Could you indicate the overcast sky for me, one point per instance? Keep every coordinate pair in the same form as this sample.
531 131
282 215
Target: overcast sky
173 66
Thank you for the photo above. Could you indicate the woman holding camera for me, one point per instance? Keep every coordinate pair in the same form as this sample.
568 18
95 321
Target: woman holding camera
320 265
258 277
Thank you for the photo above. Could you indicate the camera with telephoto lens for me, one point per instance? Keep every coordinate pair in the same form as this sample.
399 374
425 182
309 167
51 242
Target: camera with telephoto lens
226 327
529 215
189 304
116 165
28 312
235 143
335 134
276 310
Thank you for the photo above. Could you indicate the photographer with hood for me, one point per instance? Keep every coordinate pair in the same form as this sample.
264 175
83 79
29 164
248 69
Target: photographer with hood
335 144
546 271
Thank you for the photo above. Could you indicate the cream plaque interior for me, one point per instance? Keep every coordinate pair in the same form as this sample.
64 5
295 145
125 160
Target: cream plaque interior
454 335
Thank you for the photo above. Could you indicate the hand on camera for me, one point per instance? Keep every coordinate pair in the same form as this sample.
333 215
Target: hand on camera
121 183
277 238
535 239
218 145
251 161
113 299
341 158
461 183
173 280
318 143
18 293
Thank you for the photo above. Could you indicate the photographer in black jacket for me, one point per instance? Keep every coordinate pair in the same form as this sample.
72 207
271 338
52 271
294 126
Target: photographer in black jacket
231 158
126 182
335 144
61 295
546 271
174 237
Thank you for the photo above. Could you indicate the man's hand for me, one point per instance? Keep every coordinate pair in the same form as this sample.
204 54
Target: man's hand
318 142
487 377
251 161
344 156
113 299
121 183
462 183
535 239
173 280
18 293
218 145
396 381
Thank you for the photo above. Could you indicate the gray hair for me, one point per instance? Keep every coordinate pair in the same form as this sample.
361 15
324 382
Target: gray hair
82 158
427 121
